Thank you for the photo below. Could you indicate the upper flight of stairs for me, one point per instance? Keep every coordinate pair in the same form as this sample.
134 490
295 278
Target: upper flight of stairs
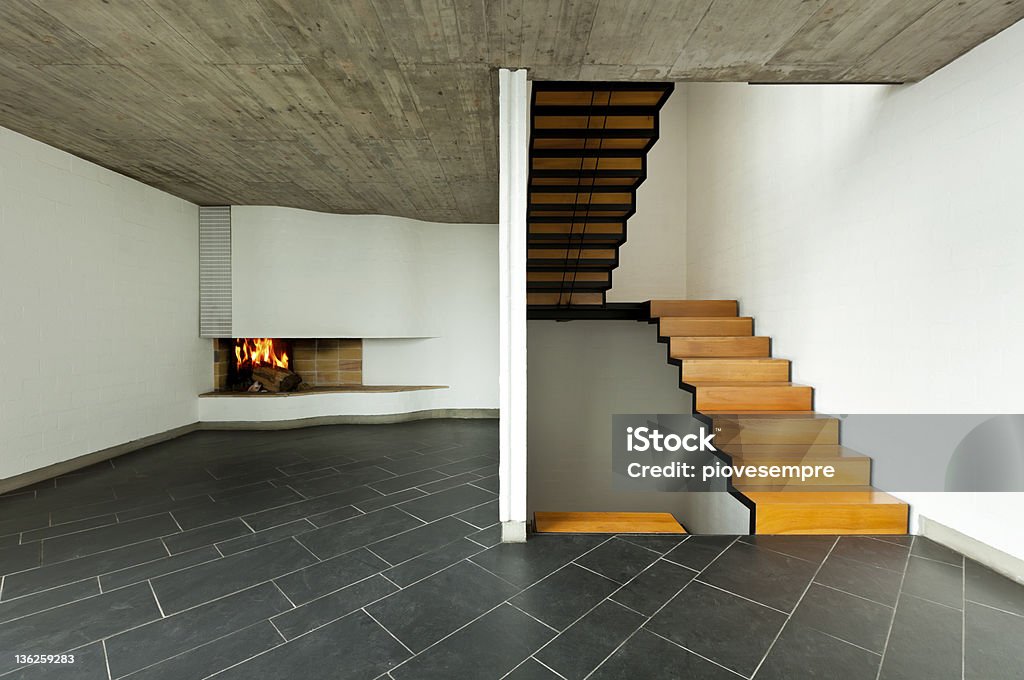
588 155
760 417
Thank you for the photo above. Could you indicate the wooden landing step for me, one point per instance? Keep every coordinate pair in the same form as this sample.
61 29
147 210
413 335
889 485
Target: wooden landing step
606 523
846 510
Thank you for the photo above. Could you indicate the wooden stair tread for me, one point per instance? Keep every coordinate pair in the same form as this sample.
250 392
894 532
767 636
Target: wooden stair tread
741 383
856 495
817 451
720 413
606 523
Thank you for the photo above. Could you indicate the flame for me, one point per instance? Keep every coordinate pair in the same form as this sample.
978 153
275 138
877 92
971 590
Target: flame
251 352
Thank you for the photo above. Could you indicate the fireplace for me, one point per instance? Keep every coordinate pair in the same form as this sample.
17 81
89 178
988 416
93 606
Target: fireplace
275 365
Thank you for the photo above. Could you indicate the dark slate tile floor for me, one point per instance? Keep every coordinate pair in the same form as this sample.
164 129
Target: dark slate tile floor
374 552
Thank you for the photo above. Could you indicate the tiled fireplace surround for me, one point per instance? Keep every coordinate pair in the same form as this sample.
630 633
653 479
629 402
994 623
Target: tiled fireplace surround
322 362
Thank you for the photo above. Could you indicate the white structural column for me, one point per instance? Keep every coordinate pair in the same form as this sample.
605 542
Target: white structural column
512 177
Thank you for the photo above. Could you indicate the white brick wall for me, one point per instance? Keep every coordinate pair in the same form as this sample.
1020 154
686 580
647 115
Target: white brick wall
98 308
876 233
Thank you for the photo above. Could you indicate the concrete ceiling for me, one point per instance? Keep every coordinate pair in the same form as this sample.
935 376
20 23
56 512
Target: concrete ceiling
389 106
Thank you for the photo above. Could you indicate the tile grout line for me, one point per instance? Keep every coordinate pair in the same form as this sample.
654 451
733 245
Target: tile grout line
673 642
385 629
789 616
106 658
285 595
156 599
895 609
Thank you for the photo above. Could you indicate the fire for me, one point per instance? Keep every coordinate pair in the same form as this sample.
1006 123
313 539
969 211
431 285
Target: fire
251 352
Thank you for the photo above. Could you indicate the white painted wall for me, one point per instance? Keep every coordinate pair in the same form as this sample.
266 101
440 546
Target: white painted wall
875 233
99 300
652 262
299 273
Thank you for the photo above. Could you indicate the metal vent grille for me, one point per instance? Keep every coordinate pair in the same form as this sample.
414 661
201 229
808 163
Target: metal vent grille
215 271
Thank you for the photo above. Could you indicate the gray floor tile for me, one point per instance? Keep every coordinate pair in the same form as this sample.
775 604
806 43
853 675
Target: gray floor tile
987 587
97 540
527 563
19 558
47 599
994 640
810 548
872 551
647 656
727 629
330 575
333 606
68 528
357 532
618 560
206 535
761 575
697 552
924 547
152 643
420 540
847 617
564 596
487 648
532 669
583 646
164 565
62 573
352 648
428 610
654 587
807 653
236 545
925 642
432 562
210 580
407 481
935 581
873 583
90 619
215 655
304 509
447 502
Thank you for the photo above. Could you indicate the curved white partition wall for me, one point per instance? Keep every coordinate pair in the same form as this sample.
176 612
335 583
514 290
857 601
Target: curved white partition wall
422 295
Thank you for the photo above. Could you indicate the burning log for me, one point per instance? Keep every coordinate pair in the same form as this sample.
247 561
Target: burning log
275 379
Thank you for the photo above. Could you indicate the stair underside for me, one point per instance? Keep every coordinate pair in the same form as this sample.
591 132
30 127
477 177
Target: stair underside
588 156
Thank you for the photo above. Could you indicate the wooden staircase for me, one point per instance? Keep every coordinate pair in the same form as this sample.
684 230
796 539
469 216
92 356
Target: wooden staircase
760 417
588 154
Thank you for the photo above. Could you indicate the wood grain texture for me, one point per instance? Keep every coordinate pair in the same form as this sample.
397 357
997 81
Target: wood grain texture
734 370
698 347
387 107
705 326
860 511
606 523
660 308
752 396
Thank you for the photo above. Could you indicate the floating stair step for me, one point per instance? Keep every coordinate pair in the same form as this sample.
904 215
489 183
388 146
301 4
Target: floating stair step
557 253
558 277
734 370
660 308
850 467
705 326
580 210
584 121
652 96
552 299
603 198
620 182
851 510
606 523
730 347
800 429
577 230
579 164
588 140
751 396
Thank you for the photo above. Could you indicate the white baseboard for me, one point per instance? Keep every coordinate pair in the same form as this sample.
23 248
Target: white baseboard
996 560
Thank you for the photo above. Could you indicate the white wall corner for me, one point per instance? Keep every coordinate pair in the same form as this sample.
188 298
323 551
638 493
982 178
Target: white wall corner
513 126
